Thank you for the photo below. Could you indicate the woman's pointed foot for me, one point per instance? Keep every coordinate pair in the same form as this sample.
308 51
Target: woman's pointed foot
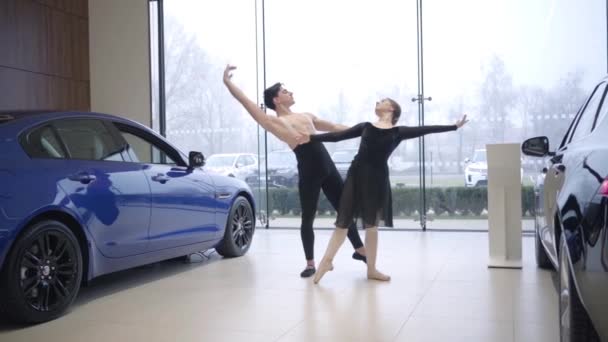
324 267
376 275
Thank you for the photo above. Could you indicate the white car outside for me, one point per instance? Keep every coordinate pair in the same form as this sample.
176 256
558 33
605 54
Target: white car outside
237 165
476 170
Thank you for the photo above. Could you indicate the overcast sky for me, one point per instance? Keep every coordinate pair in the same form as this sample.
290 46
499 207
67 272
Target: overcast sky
320 47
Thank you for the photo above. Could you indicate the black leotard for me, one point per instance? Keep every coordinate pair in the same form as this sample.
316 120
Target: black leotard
367 191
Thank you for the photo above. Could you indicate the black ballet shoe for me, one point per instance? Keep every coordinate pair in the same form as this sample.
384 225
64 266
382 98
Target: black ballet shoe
308 272
358 256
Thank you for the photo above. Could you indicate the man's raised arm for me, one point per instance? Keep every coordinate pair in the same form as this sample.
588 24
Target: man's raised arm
269 123
258 115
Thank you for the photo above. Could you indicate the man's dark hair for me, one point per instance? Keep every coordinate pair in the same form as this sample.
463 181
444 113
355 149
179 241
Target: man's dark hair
270 93
396 110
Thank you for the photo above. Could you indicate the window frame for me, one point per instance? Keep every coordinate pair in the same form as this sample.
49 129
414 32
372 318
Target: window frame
150 139
573 129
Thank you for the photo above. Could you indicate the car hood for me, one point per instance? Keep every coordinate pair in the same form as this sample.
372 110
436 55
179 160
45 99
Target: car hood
478 165
218 170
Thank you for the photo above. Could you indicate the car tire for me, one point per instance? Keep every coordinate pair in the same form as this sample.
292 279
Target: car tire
542 259
42 273
574 322
239 231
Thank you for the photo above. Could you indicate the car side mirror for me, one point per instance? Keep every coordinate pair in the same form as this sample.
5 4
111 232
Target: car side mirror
195 159
536 147
467 160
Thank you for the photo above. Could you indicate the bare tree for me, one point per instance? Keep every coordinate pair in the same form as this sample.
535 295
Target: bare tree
200 113
497 98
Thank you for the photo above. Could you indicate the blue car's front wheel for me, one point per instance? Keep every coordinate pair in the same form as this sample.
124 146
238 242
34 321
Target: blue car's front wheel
42 274
239 229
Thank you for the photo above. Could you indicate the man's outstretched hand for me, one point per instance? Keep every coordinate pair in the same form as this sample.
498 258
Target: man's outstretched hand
227 73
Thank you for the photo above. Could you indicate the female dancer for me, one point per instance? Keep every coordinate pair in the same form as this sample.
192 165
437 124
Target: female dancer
366 193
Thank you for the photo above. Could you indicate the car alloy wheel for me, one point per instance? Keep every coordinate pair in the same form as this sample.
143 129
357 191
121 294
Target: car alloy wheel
48 271
242 226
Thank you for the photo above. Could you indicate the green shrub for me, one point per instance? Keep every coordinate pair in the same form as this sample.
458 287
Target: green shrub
406 201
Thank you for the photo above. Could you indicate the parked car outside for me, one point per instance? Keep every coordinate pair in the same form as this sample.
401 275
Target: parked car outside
237 165
476 169
282 170
342 158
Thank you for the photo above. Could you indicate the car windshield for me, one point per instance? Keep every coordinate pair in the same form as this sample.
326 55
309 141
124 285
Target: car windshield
343 156
220 161
281 158
479 157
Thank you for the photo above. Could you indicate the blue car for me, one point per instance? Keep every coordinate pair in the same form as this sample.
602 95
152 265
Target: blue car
86 194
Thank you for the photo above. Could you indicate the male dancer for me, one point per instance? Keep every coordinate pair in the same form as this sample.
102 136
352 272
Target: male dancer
315 168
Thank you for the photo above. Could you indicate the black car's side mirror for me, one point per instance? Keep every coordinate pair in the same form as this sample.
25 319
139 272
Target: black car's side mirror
195 159
536 147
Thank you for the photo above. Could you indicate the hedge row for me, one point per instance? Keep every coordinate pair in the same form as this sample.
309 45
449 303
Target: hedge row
450 201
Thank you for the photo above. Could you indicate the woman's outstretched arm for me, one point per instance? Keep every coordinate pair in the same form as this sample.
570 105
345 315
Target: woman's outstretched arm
349 133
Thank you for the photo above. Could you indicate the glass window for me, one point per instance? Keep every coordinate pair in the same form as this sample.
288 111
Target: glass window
529 78
220 160
249 160
241 162
344 156
88 139
479 156
43 143
587 118
142 151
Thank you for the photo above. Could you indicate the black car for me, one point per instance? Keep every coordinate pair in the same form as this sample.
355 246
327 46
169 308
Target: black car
282 171
571 218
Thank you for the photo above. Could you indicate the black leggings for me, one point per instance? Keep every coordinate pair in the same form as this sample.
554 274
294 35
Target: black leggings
309 188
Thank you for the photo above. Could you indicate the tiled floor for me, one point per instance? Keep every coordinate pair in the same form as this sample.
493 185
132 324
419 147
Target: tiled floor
441 290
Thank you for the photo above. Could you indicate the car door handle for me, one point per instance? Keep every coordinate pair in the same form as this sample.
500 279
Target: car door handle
161 178
83 177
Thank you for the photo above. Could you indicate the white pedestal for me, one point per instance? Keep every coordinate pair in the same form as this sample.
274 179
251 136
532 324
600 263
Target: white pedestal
504 205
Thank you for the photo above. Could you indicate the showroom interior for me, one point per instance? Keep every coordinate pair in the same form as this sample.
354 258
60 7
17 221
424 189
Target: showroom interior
517 69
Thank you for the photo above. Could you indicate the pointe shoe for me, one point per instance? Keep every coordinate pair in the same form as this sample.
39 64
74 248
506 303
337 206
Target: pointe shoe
376 275
324 267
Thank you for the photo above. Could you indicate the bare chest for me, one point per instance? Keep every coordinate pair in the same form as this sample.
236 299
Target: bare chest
301 123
